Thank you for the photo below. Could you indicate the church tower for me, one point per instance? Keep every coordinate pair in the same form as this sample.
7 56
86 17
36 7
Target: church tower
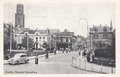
19 16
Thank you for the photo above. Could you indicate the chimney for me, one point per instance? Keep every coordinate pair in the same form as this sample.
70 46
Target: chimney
65 30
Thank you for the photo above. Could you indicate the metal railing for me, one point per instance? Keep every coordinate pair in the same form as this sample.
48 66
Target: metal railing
82 64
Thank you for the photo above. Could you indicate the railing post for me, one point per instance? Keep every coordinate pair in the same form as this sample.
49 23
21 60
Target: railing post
85 64
92 67
75 63
101 65
112 68
79 64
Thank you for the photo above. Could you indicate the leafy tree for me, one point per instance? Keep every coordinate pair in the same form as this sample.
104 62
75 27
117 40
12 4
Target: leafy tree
7 29
30 42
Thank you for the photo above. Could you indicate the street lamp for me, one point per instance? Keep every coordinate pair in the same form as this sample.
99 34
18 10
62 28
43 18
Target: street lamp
27 42
87 30
87 25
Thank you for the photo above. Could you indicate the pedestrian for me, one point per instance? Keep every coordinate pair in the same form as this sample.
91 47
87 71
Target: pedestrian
62 50
69 49
79 53
54 51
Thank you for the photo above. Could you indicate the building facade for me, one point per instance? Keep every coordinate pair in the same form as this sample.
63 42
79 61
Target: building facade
100 36
64 39
38 36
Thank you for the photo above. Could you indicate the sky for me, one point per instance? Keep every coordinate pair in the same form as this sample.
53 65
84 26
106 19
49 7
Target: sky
74 17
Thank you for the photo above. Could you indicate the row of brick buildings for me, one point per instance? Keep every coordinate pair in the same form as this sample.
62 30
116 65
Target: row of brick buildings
101 36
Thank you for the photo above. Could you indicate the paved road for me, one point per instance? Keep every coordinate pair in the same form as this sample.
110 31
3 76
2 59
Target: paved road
56 64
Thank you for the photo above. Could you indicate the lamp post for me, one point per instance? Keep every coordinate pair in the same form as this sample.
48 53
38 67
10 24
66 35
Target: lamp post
87 30
27 42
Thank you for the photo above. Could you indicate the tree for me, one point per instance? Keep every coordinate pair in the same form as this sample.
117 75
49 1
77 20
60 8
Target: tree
8 28
24 42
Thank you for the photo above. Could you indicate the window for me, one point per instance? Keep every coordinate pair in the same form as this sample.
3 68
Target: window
18 39
95 36
36 33
110 36
23 55
66 39
26 33
43 37
36 39
95 29
105 36
40 38
105 29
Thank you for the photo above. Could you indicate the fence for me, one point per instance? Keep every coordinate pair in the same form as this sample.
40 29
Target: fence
81 63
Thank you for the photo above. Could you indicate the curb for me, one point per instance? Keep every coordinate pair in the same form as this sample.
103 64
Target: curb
88 70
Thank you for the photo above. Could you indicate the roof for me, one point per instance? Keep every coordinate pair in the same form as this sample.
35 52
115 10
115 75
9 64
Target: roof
65 34
21 54
100 28
54 30
34 31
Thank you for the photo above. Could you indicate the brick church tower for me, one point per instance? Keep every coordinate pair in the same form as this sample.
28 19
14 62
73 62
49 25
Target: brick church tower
19 16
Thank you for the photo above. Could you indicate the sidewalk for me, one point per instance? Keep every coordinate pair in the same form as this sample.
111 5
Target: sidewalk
84 65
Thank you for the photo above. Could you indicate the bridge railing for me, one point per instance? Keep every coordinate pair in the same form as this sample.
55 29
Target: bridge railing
81 63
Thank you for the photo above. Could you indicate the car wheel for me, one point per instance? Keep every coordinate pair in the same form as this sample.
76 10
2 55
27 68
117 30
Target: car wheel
17 62
9 63
26 61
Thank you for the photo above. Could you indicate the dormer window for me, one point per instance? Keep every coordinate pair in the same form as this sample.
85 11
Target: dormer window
26 33
105 29
37 33
95 29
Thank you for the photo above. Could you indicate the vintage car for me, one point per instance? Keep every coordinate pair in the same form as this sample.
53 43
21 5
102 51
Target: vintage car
19 58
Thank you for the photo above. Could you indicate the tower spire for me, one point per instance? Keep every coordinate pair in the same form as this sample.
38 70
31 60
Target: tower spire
111 26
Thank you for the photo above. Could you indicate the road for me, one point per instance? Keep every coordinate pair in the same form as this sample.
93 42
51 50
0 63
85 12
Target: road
56 64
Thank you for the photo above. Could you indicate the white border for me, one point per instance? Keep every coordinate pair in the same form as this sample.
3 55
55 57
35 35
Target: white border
117 23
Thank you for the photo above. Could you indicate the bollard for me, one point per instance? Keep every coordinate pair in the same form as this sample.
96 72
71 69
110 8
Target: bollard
36 60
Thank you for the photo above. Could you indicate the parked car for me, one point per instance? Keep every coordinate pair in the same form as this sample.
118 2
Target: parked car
19 58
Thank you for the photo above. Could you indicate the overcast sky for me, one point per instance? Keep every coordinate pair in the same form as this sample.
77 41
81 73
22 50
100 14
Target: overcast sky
63 16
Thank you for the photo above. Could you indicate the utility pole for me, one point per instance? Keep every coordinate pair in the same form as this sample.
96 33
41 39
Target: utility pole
27 42
10 38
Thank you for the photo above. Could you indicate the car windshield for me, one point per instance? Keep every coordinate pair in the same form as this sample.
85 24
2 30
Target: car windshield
18 55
